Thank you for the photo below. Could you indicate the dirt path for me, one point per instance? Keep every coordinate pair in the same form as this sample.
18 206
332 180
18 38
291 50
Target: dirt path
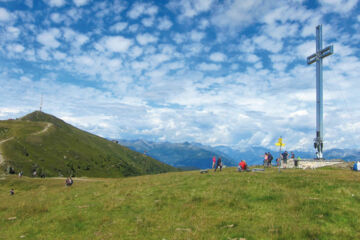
46 128
1 155
48 125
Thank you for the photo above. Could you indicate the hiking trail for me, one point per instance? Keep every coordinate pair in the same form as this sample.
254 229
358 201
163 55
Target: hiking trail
46 128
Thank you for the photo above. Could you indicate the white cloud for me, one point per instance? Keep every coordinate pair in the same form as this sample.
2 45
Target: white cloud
29 3
148 22
342 6
240 14
139 9
55 3
209 67
164 23
75 38
17 48
252 58
217 57
268 44
190 8
57 18
118 27
4 15
146 38
196 35
80 3
117 43
49 38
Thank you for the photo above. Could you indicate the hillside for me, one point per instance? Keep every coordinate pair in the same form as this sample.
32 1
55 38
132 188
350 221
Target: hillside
182 155
294 204
44 143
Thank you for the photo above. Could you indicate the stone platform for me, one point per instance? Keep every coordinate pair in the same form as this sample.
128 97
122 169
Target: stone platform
311 163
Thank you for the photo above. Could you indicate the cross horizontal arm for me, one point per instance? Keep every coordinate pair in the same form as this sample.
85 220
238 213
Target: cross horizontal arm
327 51
311 59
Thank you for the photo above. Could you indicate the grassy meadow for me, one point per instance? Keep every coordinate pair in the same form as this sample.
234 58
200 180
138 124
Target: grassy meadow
293 204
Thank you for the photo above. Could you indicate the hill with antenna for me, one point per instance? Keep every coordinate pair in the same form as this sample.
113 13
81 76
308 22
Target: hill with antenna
46 144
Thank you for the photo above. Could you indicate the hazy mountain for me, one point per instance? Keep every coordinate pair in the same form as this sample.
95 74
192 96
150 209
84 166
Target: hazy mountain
199 156
188 155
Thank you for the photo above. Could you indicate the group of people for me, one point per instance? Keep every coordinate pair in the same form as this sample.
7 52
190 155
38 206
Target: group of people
217 163
268 159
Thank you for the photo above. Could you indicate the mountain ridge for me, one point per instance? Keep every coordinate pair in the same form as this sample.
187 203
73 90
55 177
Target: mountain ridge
66 150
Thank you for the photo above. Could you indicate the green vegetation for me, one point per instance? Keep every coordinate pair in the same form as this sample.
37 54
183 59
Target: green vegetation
293 204
52 147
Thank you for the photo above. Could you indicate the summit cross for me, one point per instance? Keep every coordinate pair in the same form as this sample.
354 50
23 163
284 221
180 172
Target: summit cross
318 57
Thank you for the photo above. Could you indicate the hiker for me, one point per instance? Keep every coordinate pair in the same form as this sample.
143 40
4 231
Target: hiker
285 156
218 164
265 159
34 173
12 192
292 155
270 158
20 174
214 161
242 166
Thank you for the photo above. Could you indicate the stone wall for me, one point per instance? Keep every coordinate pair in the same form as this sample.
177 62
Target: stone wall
311 163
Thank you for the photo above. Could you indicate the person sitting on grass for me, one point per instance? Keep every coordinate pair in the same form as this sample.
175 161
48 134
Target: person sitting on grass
69 181
242 166
12 192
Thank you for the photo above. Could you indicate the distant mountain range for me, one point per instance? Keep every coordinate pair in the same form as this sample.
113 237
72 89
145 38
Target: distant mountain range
195 155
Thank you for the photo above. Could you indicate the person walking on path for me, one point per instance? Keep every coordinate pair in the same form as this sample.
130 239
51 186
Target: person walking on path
214 161
218 164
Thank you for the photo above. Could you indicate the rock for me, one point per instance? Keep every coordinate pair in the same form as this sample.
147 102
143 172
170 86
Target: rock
11 218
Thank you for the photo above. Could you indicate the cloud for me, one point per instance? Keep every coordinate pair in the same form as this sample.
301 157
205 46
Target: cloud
341 6
80 3
208 67
164 23
49 38
139 9
116 43
237 15
5 16
55 3
217 57
29 3
74 38
190 8
57 18
118 27
146 38
196 35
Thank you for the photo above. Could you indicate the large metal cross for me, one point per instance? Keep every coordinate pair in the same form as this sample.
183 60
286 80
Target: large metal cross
318 57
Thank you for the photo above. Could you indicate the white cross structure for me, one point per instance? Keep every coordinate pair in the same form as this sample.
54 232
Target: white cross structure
318 57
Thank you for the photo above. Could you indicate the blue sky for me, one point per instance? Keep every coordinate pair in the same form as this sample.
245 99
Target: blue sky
217 72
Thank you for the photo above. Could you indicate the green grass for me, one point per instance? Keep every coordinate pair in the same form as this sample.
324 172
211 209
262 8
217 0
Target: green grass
293 204
66 150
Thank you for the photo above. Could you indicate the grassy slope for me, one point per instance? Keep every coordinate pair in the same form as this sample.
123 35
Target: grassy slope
293 204
64 149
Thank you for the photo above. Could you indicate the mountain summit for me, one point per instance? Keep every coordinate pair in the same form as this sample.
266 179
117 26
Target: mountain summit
46 144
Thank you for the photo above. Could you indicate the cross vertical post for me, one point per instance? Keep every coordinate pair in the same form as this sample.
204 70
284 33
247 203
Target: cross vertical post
318 57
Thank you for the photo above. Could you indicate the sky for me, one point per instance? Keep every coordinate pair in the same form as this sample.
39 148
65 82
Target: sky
217 72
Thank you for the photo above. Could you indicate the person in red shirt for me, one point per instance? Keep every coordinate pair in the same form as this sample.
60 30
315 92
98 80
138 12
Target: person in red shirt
214 161
242 166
